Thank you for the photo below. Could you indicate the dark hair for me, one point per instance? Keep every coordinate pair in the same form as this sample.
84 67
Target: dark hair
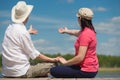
87 23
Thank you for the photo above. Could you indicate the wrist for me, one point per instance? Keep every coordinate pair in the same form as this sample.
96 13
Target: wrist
66 31
53 60
65 63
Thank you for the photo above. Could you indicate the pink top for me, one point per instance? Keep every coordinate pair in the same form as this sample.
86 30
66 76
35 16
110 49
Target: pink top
87 37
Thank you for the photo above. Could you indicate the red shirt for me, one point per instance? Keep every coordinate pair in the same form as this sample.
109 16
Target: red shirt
87 37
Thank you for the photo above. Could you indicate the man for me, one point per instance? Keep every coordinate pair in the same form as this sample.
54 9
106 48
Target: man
18 47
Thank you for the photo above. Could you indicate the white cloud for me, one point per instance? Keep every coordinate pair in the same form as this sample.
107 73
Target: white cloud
40 42
45 46
50 47
110 47
70 38
6 22
43 19
70 1
32 17
101 9
5 13
55 49
116 19
109 27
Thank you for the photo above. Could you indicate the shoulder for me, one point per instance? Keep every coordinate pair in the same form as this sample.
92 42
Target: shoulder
88 31
20 29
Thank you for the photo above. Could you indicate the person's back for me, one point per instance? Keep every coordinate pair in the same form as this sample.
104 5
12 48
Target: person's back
15 61
18 47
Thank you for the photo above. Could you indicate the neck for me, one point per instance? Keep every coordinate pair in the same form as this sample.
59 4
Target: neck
24 23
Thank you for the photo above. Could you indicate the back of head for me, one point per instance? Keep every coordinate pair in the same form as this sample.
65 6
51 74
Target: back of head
86 16
86 13
20 12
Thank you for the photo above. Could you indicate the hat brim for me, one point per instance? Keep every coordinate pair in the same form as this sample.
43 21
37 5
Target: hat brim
21 19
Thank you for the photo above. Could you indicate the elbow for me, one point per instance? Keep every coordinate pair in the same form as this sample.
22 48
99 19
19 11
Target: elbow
38 58
79 59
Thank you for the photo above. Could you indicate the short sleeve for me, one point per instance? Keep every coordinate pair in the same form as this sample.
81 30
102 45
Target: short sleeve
28 47
84 39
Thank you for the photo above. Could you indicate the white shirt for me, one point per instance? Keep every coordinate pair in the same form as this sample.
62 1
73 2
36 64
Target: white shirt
17 50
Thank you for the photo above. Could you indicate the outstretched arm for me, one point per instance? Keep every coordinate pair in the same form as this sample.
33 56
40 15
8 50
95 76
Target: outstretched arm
70 32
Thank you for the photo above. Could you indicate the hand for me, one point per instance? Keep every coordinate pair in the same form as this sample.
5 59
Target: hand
32 31
62 60
62 30
55 59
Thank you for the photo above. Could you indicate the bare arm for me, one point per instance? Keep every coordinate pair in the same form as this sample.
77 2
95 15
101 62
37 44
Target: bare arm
70 32
45 58
76 59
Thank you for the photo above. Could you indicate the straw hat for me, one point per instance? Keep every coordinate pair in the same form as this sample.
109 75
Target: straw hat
85 13
20 12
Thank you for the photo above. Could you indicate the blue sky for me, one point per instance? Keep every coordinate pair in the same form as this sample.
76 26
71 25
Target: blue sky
49 15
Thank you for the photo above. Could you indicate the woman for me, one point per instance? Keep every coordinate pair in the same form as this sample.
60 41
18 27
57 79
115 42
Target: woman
85 62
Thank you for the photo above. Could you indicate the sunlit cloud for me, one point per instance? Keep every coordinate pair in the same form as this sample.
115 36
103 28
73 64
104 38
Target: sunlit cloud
101 9
67 1
41 42
6 22
116 19
110 47
5 13
109 27
46 46
49 49
70 38
55 49
70 1
32 17
43 19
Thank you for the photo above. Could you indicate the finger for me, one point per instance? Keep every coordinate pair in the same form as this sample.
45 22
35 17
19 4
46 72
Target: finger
30 26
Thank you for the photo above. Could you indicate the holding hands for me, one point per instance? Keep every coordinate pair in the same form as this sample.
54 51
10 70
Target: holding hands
62 60
59 59
55 59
